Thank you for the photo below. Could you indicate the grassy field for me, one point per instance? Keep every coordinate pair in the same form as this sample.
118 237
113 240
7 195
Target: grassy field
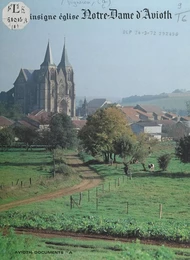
69 249
17 166
120 206
172 102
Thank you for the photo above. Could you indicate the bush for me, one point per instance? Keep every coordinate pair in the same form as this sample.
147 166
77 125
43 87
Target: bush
163 161
135 251
11 243
64 169
183 149
59 156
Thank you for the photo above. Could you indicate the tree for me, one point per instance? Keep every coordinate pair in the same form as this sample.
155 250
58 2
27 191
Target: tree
101 131
183 149
6 138
188 107
26 135
45 138
12 111
163 161
62 131
124 146
138 149
179 130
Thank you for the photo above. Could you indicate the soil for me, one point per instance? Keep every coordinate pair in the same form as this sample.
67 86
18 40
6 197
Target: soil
90 179
79 236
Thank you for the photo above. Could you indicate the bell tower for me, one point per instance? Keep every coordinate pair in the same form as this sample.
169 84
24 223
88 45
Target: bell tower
67 102
46 89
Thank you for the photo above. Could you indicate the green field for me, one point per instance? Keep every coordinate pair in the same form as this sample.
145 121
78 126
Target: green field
172 102
17 166
69 249
120 207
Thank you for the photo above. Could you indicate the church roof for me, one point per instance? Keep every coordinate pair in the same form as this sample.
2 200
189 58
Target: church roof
48 59
64 59
28 74
96 103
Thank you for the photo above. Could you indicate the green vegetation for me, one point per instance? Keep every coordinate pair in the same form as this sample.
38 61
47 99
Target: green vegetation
11 244
107 134
18 165
26 247
12 111
102 132
120 206
62 132
125 227
164 161
175 104
133 204
183 149
6 138
113 250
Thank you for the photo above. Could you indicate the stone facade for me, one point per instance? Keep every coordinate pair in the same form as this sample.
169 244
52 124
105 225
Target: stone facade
50 88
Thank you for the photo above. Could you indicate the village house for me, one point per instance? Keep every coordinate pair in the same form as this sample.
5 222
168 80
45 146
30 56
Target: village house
149 127
5 122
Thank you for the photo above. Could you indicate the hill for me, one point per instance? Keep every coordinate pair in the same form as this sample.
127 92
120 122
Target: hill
174 102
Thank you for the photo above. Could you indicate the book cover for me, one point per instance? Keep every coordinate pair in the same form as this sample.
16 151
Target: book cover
62 61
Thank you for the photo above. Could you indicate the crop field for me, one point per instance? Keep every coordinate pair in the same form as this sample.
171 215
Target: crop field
150 205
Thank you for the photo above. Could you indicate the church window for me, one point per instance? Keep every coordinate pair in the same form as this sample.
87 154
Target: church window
52 74
53 92
69 75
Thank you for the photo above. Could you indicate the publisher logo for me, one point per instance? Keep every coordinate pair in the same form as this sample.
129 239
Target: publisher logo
16 15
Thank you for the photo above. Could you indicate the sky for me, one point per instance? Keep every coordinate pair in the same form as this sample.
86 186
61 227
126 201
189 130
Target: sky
107 60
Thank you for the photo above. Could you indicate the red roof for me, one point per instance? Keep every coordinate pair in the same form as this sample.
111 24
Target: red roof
79 123
4 121
26 124
41 116
131 113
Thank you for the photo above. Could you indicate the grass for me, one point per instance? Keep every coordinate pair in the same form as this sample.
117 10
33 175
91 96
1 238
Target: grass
135 200
18 165
142 195
172 102
69 249
78 249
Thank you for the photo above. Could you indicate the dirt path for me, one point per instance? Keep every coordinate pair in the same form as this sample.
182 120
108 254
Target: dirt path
90 179
79 236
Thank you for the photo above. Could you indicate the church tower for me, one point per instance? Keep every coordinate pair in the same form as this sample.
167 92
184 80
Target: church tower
50 88
46 88
66 86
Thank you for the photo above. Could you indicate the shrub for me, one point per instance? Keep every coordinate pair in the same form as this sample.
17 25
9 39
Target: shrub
183 149
11 243
64 169
163 161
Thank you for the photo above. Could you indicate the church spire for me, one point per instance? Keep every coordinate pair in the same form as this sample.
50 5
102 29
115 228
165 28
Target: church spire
48 60
64 59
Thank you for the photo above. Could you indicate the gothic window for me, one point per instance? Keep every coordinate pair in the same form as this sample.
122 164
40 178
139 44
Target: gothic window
69 75
62 90
53 92
52 74
63 107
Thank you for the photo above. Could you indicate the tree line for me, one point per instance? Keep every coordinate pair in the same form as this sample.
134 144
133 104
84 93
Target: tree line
106 134
60 132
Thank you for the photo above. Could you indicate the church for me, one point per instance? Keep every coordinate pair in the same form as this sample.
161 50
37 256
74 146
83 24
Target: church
50 88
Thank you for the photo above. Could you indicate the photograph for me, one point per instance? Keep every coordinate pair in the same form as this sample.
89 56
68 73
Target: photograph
95 130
